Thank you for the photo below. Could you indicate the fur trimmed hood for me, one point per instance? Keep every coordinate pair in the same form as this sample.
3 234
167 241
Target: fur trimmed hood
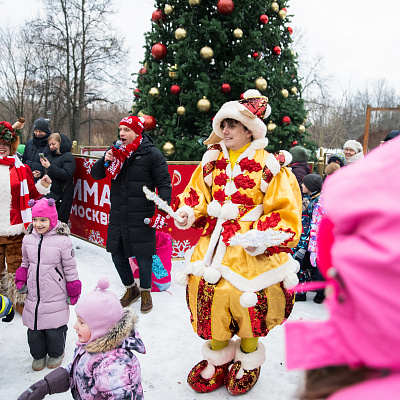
121 334
60 229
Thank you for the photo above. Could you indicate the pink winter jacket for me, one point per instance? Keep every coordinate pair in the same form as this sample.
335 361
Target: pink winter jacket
380 388
50 270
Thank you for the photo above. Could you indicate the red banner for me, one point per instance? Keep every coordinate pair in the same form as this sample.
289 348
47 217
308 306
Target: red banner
91 206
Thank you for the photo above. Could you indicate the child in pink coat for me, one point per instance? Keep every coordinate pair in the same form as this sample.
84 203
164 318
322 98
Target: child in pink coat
49 277
104 365
354 354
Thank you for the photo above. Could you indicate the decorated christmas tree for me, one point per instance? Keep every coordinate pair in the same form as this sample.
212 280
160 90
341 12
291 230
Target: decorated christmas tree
200 54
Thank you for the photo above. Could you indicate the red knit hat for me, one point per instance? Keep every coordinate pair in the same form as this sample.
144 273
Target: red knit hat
45 208
134 123
8 136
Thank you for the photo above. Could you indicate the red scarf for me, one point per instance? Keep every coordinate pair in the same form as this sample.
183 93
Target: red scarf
26 213
120 155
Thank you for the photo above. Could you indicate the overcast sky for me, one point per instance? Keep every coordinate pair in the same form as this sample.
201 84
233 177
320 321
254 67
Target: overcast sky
359 40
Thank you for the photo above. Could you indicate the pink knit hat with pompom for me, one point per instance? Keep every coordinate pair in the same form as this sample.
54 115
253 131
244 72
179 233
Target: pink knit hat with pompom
44 208
100 309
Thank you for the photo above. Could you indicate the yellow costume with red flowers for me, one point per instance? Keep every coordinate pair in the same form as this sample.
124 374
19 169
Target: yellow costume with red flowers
237 290
258 193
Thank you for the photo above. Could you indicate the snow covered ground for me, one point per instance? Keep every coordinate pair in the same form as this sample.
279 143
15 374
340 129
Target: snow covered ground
172 346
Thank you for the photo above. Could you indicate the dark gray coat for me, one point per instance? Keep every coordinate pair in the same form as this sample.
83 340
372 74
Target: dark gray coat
127 231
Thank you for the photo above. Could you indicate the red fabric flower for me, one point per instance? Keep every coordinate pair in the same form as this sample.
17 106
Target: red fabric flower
174 202
219 195
249 165
230 228
193 199
221 164
270 222
200 223
215 147
212 221
244 182
238 198
221 179
267 175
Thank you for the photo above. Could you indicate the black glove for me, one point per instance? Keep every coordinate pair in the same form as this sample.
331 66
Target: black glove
37 391
9 317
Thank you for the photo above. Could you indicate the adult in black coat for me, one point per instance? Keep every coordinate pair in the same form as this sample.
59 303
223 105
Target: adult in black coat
127 234
60 167
38 144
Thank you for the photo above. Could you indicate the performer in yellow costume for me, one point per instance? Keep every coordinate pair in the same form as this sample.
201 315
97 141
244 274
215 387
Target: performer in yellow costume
236 290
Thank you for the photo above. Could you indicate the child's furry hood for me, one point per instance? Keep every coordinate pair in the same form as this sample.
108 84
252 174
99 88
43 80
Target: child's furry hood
123 329
60 229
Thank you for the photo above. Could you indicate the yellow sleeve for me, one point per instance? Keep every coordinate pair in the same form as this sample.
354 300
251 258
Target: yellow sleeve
282 206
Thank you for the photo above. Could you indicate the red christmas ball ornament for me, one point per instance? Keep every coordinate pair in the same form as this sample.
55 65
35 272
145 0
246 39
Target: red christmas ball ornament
159 51
286 120
225 7
175 89
242 96
158 16
284 9
136 92
256 55
290 30
276 50
226 87
142 71
264 19
149 122
294 143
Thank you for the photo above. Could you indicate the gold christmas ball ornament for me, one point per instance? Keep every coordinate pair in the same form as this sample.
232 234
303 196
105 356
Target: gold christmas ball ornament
285 93
206 53
172 71
237 33
180 34
168 10
293 53
302 128
181 110
271 126
194 2
293 90
282 14
203 105
168 148
261 84
274 6
141 113
154 92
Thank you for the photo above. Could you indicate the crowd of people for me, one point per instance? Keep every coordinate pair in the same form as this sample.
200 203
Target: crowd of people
293 231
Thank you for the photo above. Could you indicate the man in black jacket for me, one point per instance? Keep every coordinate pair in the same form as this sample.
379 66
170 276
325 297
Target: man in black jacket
135 164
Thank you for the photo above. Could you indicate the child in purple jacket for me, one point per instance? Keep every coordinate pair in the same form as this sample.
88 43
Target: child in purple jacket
104 366
49 277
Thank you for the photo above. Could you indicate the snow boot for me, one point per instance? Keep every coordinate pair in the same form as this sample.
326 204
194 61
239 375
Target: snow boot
209 374
38 364
132 293
54 362
245 370
146 303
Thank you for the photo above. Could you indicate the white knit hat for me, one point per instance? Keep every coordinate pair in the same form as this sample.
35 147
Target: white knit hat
250 111
353 144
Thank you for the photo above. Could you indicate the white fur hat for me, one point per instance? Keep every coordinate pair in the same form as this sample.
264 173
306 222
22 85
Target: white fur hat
353 144
250 111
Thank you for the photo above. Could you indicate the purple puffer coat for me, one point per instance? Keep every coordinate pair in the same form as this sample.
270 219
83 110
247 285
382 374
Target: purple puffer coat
107 368
50 261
